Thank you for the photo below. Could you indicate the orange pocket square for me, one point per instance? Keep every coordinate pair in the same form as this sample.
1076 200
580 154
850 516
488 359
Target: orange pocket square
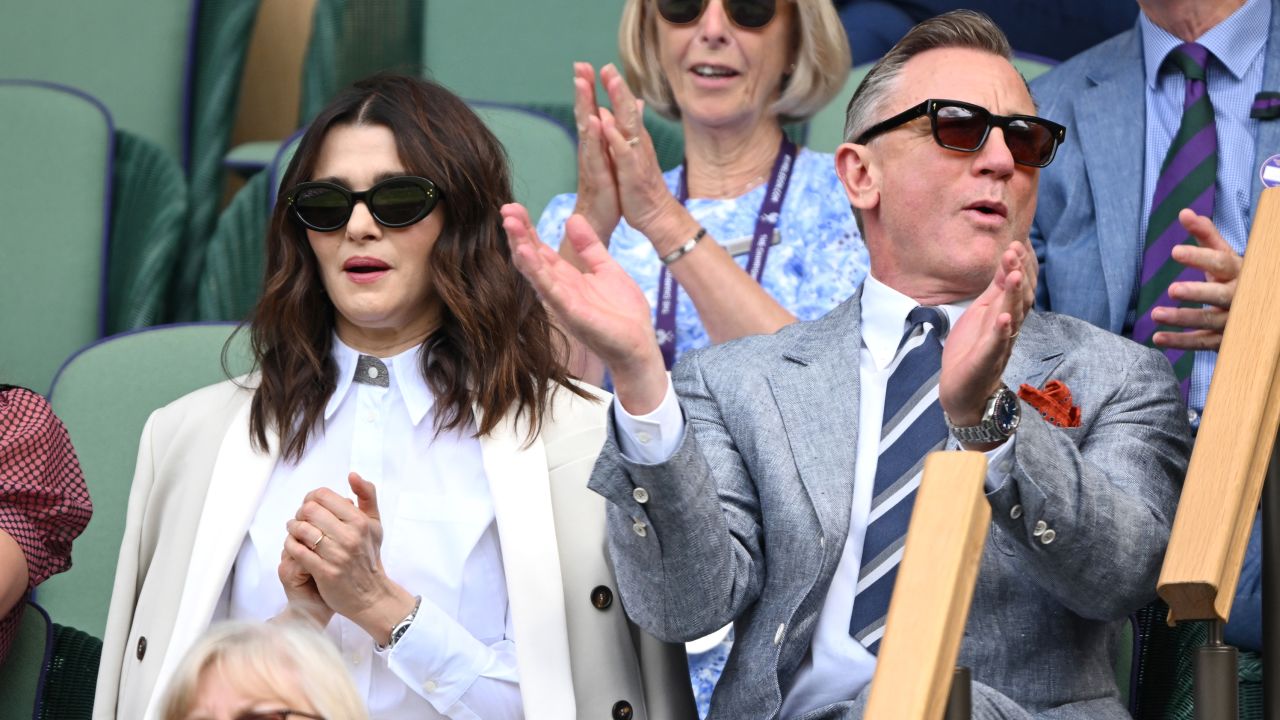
1053 402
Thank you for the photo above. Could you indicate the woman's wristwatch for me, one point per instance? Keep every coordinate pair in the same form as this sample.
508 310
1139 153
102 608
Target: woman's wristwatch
401 627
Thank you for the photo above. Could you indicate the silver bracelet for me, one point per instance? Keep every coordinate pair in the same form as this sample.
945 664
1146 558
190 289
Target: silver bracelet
685 248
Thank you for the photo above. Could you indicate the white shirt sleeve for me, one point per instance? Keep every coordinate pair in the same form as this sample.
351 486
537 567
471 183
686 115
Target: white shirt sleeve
651 438
462 677
1000 464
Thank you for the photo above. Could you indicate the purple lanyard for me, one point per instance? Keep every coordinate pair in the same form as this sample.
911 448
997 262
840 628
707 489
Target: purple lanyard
766 223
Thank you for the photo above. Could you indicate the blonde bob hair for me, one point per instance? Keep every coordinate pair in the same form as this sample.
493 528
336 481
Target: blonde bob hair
289 660
821 59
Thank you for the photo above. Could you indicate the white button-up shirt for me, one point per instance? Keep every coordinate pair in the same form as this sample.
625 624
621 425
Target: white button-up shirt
837 666
440 541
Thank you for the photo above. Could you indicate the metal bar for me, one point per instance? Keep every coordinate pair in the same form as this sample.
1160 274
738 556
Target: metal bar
1215 683
1271 590
960 701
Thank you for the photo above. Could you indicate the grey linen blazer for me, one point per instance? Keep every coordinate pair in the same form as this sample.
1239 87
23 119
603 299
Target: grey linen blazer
747 520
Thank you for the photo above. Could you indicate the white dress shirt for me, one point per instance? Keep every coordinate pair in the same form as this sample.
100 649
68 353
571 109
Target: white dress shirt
837 667
440 541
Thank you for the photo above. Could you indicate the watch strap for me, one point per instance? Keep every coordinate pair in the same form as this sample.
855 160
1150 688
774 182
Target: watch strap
401 627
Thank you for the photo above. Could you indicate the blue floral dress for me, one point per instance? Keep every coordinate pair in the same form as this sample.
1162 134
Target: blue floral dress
819 261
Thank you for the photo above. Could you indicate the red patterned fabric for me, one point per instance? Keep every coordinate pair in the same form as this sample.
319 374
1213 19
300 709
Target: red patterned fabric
44 503
1054 403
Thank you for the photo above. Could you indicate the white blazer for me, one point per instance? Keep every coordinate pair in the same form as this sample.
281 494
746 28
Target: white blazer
196 488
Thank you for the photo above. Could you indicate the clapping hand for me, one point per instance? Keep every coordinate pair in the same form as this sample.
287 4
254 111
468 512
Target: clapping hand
600 305
979 346
338 544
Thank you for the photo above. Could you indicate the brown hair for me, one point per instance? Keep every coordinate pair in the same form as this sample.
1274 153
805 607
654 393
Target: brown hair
821 59
495 348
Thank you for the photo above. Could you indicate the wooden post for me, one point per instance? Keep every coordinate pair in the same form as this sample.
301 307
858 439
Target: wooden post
934 587
1233 447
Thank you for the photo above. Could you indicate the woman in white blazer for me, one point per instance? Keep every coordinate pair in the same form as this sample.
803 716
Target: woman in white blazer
408 463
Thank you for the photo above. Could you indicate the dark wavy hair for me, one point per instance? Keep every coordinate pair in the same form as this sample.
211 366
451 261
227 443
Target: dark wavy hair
495 349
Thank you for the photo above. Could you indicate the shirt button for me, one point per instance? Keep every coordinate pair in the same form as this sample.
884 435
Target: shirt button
622 710
641 495
1193 417
644 437
1041 526
1015 512
373 372
355 659
640 528
1048 536
601 597
142 647
430 686
371 417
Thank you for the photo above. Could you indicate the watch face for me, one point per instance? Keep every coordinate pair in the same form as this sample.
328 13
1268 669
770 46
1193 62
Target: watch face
1005 412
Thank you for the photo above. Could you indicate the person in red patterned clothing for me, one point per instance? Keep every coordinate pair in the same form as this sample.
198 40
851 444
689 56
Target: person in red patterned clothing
44 503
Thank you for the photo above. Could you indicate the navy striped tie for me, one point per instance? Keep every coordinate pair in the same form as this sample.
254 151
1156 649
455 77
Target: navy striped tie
913 427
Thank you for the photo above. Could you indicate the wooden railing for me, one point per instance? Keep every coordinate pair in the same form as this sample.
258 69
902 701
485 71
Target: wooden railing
934 587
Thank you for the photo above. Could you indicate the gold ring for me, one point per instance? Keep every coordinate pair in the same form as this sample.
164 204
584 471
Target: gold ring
316 544
632 142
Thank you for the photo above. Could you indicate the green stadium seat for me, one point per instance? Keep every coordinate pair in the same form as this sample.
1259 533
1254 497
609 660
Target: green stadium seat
22 673
826 127
543 157
104 394
57 150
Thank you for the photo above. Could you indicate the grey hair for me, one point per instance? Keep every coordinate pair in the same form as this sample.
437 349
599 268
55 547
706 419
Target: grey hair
955 29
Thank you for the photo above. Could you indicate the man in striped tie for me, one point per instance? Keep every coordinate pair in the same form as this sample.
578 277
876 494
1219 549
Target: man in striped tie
1143 218
769 482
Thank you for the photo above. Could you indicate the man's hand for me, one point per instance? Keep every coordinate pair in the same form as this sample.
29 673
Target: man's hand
978 347
1221 266
602 307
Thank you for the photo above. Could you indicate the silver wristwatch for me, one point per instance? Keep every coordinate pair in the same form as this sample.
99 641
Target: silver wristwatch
401 627
999 420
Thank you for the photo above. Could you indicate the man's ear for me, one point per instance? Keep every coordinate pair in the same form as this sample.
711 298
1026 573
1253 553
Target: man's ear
860 174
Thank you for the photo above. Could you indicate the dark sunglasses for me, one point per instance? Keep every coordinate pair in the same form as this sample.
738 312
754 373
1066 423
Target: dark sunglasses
394 202
749 14
960 126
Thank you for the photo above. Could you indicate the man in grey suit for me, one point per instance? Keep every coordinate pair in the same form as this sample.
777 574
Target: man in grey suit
1123 101
771 488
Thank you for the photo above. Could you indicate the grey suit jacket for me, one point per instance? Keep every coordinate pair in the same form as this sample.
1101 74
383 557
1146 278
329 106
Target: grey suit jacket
1090 202
747 520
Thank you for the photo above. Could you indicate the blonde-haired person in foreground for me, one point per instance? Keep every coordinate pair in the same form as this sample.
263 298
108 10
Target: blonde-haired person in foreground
262 671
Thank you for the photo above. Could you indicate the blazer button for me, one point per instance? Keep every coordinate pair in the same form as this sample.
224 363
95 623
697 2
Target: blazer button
601 597
622 710
142 647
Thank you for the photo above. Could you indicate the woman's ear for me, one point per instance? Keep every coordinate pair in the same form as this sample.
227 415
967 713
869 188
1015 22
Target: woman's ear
860 174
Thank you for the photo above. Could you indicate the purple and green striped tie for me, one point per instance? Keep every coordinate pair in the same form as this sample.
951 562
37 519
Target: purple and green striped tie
1186 181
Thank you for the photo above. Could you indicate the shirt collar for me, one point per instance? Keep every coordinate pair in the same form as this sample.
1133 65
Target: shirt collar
1236 41
884 319
404 368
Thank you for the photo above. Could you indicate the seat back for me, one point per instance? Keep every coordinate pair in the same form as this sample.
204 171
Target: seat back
133 54
56 173
104 394
543 157
826 127
22 673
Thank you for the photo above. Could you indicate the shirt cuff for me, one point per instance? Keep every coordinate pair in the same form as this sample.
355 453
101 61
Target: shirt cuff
651 438
1000 464
440 660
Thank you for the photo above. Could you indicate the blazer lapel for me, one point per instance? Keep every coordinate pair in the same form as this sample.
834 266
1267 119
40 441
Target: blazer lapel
239 476
1267 136
1037 354
520 486
816 391
1110 135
